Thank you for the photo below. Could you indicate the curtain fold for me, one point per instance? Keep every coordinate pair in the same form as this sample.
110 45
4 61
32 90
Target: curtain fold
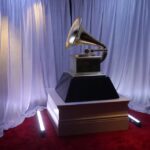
61 22
27 67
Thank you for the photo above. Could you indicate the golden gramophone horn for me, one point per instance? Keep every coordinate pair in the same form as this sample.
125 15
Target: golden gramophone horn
77 36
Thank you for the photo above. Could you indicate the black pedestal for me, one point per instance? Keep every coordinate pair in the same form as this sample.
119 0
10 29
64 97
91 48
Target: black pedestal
85 88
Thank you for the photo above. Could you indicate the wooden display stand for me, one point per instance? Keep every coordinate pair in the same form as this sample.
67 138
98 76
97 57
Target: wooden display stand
86 101
87 117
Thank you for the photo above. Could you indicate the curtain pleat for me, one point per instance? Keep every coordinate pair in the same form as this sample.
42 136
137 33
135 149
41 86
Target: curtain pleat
27 67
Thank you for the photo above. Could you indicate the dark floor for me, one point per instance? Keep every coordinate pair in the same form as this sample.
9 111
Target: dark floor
27 136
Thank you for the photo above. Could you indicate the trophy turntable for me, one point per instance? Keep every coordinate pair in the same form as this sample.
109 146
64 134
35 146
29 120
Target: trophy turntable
85 82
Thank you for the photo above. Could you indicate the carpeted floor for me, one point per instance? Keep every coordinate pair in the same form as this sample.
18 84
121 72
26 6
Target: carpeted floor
27 137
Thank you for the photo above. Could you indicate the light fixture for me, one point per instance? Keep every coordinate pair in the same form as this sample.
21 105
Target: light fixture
134 120
40 120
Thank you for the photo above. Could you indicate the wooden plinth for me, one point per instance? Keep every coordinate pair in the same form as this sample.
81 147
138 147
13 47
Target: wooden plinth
87 117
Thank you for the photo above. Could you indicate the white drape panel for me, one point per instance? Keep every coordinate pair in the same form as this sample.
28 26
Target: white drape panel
61 22
26 59
124 27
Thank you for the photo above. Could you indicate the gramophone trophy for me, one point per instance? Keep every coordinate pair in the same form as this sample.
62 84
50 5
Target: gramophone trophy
85 82
88 61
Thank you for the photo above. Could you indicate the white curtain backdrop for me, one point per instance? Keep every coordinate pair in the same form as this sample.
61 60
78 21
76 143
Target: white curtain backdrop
26 59
61 22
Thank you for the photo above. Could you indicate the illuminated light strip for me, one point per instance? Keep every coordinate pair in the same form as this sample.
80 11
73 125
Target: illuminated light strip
133 118
42 128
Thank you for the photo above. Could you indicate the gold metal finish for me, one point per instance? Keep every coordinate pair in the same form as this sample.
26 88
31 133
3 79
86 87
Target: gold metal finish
78 36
